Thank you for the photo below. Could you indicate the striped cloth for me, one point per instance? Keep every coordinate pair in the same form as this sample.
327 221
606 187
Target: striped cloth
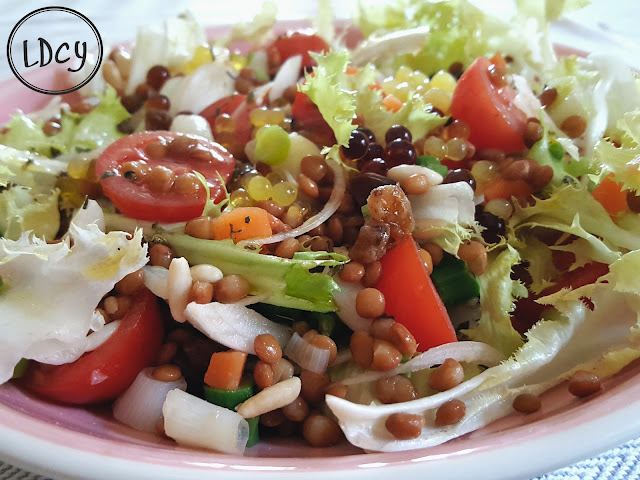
621 463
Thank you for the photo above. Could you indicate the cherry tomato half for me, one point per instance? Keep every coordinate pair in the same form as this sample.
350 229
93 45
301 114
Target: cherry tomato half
300 43
487 107
308 120
106 372
137 198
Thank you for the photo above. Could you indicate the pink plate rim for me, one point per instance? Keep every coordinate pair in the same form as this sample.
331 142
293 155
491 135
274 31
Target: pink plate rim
520 448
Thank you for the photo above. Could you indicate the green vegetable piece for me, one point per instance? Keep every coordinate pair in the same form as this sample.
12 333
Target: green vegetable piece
433 163
556 150
326 323
454 282
20 368
254 433
228 398
288 282
231 399
272 145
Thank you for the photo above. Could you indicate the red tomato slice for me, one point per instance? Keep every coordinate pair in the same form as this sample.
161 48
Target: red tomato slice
308 120
488 109
135 199
300 43
106 372
237 107
411 297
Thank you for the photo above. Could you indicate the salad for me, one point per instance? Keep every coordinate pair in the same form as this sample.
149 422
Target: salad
394 235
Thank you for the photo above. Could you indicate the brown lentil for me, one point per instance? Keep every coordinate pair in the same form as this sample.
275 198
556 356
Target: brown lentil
131 283
352 272
187 184
416 184
335 230
314 386
385 356
123 303
263 375
427 261
450 412
307 186
325 343
381 328
156 150
370 303
347 205
404 426
200 227
492 155
361 346
446 376
231 288
474 254
527 403
166 373
574 126
532 133
321 244
321 431
318 231
271 207
583 383
517 170
337 390
201 292
372 273
282 370
300 327
314 167
160 255
402 339
267 348
160 179
297 410
179 336
166 353
51 127
541 177
395 389
273 418
287 248
548 96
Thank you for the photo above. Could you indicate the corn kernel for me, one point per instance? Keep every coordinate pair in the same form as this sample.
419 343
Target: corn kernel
402 74
238 61
259 188
438 98
389 84
402 91
262 116
444 80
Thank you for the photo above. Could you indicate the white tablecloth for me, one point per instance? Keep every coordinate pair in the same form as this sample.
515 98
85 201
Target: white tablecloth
605 26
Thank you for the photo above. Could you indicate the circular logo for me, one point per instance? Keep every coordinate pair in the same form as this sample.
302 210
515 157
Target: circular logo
29 48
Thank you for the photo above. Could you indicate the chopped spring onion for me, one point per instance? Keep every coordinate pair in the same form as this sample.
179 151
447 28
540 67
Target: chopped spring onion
231 399
272 145
194 422
454 282
306 355
140 406
347 306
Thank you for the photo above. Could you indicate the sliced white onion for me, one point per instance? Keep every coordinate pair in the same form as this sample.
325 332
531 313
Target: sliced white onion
234 326
474 352
345 300
252 299
193 422
179 285
319 218
97 338
271 398
140 406
156 279
288 75
402 172
306 355
451 202
389 45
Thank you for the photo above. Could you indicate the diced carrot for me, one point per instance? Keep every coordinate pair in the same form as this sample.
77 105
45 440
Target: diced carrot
225 370
375 86
392 103
502 188
242 223
351 70
611 196
498 60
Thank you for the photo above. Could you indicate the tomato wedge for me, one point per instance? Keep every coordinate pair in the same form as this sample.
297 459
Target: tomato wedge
488 109
137 197
308 120
411 297
237 107
106 372
528 311
300 43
